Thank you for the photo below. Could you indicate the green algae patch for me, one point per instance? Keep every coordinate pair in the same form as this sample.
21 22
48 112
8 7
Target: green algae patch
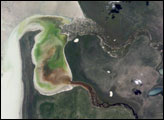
47 52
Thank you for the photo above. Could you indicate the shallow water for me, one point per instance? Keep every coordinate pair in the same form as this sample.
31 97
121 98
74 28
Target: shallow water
155 91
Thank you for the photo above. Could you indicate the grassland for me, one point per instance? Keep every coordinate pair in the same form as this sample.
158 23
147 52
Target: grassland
75 104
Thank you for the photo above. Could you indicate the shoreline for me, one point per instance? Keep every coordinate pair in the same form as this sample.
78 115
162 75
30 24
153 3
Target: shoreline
55 91
89 88
12 72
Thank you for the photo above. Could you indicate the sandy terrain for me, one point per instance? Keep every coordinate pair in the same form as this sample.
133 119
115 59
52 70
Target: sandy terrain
15 12
12 14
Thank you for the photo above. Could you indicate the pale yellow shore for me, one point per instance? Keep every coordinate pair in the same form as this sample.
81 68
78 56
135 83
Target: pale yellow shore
13 13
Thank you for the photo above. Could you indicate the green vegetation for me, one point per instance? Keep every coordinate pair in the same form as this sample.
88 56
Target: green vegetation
52 38
73 105
46 109
49 44
57 60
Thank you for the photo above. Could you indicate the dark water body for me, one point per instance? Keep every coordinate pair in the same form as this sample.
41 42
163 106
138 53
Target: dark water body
75 54
26 45
31 96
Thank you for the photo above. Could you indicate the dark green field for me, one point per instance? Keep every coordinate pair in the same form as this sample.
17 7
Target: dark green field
75 104
71 104
89 63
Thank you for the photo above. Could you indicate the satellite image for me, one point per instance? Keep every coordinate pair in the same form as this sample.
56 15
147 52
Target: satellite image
82 60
